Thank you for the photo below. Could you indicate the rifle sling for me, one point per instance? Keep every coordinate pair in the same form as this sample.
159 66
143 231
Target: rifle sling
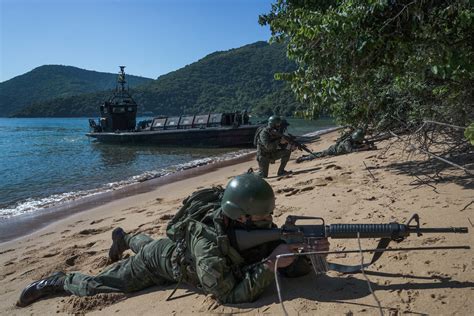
342 268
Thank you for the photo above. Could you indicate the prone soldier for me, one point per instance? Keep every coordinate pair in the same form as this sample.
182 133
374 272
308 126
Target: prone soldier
206 255
346 144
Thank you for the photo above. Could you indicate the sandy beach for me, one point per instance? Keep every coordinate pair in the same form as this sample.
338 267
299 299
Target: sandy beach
378 186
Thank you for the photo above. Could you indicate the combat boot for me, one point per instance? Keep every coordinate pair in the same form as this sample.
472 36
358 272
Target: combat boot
118 244
284 173
54 284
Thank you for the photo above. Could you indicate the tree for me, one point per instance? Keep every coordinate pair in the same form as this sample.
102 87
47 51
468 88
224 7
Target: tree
379 62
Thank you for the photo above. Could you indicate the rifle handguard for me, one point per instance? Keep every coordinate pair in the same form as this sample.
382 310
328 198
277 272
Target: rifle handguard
393 231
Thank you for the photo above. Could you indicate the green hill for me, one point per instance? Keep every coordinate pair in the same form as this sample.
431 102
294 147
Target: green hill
241 78
54 81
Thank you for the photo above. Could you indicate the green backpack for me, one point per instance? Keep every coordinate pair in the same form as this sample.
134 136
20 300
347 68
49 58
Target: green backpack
198 206
257 135
195 207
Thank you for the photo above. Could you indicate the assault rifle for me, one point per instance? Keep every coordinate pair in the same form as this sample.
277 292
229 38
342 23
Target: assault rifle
371 141
291 139
308 234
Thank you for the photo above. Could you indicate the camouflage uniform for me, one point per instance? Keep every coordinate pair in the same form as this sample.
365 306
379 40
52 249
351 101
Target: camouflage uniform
231 277
268 151
342 147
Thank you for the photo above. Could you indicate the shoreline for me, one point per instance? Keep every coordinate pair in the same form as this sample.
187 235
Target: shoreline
25 224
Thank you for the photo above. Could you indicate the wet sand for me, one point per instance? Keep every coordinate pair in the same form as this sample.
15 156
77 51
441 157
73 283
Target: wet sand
365 187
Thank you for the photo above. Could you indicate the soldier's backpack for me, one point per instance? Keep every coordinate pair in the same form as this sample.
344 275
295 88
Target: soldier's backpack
195 207
257 135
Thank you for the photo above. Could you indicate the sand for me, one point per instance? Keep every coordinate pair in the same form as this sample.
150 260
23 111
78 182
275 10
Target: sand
367 187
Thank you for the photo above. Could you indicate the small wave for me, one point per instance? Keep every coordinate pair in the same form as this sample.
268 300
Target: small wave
35 205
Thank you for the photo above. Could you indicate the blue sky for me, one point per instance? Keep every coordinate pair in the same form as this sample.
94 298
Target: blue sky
150 37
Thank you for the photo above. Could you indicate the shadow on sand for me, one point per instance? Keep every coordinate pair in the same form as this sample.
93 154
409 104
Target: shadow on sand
432 171
330 289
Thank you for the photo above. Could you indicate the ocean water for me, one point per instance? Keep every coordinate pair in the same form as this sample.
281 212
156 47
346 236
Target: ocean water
48 161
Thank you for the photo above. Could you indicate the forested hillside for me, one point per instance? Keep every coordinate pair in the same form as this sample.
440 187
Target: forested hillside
241 78
54 81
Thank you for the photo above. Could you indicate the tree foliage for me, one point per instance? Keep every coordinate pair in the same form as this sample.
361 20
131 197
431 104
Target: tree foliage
379 62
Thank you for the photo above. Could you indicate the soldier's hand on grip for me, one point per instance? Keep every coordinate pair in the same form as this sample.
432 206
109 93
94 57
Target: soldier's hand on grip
280 250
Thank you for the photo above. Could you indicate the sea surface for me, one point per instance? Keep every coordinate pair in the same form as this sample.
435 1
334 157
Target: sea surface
48 161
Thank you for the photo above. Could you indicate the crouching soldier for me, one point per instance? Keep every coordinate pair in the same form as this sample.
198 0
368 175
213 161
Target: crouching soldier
351 143
199 250
269 147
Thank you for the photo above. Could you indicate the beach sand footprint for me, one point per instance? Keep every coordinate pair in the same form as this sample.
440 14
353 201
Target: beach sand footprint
97 221
92 231
133 210
5 251
100 262
333 166
81 305
50 254
166 217
432 240
304 183
280 210
10 262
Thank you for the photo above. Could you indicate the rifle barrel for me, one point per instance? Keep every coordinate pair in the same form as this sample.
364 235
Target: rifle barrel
456 230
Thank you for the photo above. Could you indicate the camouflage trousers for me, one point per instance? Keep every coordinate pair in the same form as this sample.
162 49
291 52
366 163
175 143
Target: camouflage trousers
151 265
264 161
333 150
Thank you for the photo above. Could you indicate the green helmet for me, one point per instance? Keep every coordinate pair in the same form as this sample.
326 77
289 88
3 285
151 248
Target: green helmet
247 194
274 121
358 135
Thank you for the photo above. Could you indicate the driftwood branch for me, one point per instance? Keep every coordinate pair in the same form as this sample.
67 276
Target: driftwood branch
413 147
472 225
370 172
443 124
467 205
421 182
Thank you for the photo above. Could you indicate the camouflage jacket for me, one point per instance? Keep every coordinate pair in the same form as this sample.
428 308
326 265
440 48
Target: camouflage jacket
226 276
267 142
344 147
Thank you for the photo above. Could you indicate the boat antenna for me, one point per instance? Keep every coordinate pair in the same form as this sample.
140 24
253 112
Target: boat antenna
121 78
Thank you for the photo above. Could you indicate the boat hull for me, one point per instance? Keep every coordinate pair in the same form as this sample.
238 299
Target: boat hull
241 136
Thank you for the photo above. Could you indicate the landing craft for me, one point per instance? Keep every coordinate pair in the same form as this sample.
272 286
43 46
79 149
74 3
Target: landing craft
117 124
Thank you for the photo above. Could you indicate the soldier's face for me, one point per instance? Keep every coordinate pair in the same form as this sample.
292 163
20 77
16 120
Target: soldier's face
256 218
267 218
256 221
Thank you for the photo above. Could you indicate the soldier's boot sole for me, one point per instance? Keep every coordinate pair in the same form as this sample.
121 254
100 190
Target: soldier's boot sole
118 244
